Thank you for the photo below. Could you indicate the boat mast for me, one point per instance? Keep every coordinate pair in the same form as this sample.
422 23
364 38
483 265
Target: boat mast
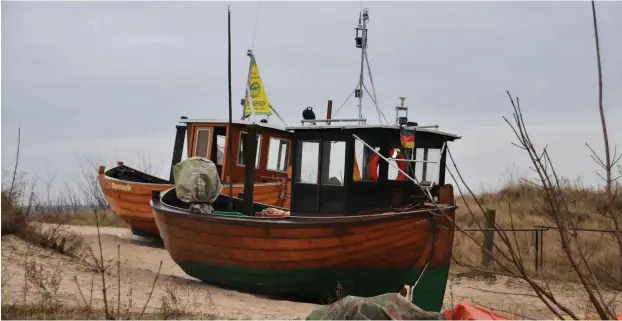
361 42
229 129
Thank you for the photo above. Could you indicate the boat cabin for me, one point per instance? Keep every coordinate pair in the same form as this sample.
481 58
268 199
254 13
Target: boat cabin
208 138
350 169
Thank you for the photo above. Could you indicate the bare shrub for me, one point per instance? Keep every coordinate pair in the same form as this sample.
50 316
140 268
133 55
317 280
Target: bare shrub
12 221
181 302
46 283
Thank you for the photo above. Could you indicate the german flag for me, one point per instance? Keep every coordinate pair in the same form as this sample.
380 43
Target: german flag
407 138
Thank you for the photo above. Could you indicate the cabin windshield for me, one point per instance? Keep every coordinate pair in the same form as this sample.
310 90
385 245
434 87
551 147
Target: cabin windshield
427 165
343 170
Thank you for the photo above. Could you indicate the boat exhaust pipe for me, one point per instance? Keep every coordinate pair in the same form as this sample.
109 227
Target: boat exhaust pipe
180 136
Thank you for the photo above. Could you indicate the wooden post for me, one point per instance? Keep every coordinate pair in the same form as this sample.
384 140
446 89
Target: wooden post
250 153
489 234
326 148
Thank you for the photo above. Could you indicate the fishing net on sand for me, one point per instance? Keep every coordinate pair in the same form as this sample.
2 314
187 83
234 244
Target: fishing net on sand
197 183
389 306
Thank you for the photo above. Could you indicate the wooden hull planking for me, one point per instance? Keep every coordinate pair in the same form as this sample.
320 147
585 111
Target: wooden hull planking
130 200
308 260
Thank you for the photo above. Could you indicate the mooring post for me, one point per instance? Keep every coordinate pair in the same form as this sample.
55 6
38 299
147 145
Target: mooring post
537 246
542 247
489 234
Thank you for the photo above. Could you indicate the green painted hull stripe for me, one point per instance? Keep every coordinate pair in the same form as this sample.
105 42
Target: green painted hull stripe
321 283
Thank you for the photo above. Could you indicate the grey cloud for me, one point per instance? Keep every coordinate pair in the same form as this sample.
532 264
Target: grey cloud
112 78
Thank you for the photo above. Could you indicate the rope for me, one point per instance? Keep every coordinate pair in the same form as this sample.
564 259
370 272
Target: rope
373 88
345 101
255 27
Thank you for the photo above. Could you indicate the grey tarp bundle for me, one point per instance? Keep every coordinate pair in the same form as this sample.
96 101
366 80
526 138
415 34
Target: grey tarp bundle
389 306
196 180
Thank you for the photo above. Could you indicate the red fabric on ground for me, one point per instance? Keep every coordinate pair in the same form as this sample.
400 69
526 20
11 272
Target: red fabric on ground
465 311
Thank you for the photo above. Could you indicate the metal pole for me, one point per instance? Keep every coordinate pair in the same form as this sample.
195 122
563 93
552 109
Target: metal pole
363 47
229 134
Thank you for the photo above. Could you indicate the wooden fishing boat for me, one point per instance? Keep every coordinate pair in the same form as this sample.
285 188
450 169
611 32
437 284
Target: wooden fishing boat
128 190
370 231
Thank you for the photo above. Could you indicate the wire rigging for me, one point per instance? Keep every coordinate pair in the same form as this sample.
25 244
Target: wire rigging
255 27
362 26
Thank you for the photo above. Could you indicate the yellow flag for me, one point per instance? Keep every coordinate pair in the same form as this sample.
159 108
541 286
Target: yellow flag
259 98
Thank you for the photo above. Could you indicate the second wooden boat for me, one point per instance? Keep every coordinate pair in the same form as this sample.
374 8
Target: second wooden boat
128 190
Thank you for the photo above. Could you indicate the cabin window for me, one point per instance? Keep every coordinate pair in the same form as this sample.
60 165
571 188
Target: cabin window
278 155
393 163
333 162
362 155
427 165
241 149
308 152
220 149
201 146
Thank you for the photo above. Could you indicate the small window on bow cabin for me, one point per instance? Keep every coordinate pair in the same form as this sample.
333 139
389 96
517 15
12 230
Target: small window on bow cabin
243 136
201 146
278 155
220 148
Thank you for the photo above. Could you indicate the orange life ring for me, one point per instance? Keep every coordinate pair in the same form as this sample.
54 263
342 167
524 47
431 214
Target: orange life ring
372 165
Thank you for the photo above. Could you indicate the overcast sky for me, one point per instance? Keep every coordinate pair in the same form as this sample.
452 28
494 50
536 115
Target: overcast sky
110 80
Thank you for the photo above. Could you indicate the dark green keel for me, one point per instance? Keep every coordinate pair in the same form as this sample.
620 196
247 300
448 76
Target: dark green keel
321 284
145 234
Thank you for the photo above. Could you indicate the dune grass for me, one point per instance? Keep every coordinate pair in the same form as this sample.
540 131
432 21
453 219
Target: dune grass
516 206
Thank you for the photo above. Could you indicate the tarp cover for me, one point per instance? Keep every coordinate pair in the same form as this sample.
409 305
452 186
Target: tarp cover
465 311
389 306
196 180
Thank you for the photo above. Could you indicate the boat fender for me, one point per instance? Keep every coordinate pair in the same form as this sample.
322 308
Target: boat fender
372 165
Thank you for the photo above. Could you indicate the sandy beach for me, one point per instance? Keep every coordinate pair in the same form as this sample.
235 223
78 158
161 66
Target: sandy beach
140 260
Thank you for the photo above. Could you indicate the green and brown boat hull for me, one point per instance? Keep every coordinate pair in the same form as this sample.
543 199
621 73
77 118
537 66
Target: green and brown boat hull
308 257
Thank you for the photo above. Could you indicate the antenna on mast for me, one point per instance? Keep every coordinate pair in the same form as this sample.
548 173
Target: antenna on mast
361 42
401 119
361 39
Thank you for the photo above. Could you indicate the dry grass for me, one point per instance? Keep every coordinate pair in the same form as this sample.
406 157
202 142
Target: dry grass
56 237
516 205
42 279
37 312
